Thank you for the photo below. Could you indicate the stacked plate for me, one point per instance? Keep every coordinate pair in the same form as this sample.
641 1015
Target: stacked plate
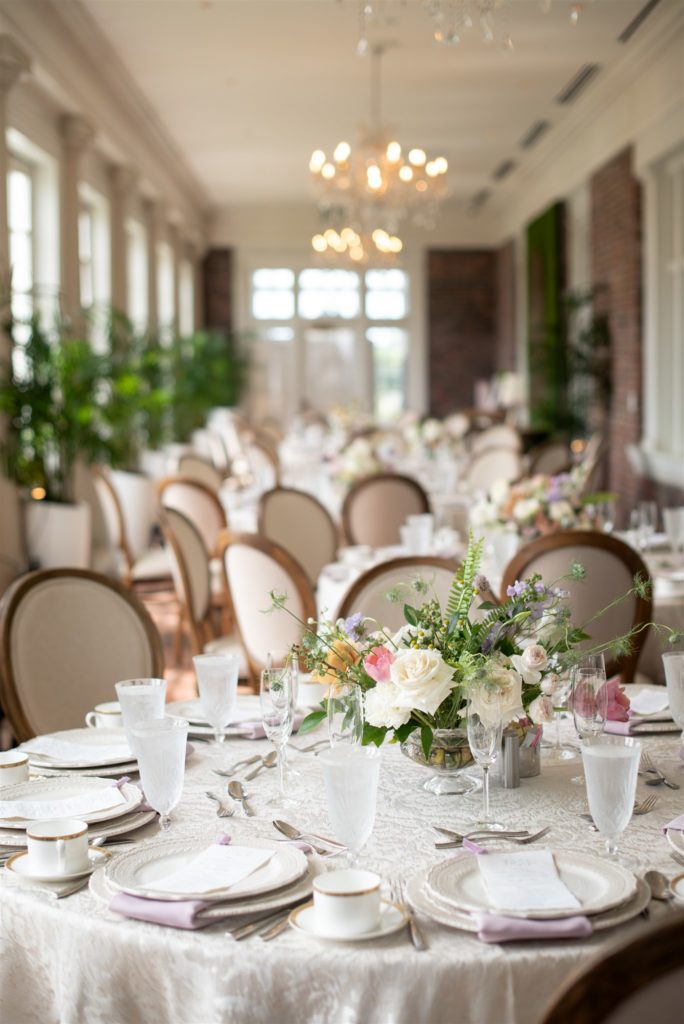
112 817
453 890
247 710
284 879
675 838
100 752
651 710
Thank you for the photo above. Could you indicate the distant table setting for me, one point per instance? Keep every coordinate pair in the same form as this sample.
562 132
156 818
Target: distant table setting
225 917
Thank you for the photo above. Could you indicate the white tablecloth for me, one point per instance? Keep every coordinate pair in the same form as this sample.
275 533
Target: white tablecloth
75 962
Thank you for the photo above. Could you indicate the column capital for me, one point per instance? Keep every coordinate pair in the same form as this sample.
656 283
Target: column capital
13 62
76 132
123 179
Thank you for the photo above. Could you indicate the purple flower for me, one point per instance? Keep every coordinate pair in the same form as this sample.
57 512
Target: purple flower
517 589
354 627
539 587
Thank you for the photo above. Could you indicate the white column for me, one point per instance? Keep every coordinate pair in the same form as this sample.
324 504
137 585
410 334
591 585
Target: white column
123 181
198 285
177 254
154 217
77 134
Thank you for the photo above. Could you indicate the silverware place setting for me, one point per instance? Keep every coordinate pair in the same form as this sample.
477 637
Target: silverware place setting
644 806
237 765
312 838
519 838
223 810
647 767
237 791
398 896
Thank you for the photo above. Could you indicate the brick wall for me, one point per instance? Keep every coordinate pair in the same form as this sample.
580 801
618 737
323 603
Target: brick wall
462 324
505 286
217 298
616 246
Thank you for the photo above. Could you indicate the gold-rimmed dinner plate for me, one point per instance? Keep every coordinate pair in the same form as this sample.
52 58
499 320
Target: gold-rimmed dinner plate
60 788
115 827
99 747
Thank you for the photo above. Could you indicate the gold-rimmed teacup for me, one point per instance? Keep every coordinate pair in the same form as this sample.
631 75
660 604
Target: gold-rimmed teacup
346 902
58 847
14 767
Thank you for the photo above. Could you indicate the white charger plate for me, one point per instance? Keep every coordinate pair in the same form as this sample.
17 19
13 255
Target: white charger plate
392 918
113 771
116 827
91 738
20 864
597 884
425 902
676 840
103 890
59 787
132 871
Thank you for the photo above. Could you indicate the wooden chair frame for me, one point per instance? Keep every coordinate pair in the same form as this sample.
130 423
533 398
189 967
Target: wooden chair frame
287 562
348 603
9 694
517 568
121 541
201 630
593 992
200 458
278 489
179 478
369 481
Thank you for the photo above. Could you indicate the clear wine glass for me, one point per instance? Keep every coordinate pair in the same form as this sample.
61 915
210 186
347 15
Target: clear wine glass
140 699
484 727
277 714
285 657
588 699
161 745
351 776
648 522
345 714
673 662
217 680
673 519
557 752
611 766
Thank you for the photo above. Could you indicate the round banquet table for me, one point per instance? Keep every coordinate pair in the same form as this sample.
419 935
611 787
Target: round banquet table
76 962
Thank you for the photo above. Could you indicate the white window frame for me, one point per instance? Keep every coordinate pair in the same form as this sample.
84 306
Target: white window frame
166 290
15 163
136 237
186 297
97 206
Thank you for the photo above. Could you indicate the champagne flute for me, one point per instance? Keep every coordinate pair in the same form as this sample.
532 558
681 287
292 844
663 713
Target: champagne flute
611 766
217 679
351 776
286 657
673 518
648 522
588 699
161 745
277 713
484 726
557 752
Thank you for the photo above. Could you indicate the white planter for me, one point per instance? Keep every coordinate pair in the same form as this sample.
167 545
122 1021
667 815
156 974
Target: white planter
153 464
139 507
58 534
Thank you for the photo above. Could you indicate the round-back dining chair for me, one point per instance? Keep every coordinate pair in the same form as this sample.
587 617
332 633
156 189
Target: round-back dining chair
491 465
68 635
500 435
368 594
198 502
376 506
152 564
550 457
638 980
610 568
254 568
299 523
200 468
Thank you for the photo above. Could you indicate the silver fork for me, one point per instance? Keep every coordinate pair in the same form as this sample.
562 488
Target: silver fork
647 765
644 807
222 810
227 772
507 836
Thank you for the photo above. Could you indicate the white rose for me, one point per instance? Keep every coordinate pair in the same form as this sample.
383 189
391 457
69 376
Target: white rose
432 431
530 677
501 700
499 491
535 657
423 679
483 513
549 684
525 509
561 512
381 707
541 710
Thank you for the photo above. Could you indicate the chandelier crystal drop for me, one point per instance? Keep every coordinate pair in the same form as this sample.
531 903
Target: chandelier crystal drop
364 192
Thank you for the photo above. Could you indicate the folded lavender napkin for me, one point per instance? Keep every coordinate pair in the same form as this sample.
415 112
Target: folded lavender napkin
498 928
677 824
178 914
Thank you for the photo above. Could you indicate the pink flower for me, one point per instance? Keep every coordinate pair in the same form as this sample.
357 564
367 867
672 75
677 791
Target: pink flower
377 664
609 702
617 701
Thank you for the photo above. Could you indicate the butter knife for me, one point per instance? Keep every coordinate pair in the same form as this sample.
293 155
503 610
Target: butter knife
416 935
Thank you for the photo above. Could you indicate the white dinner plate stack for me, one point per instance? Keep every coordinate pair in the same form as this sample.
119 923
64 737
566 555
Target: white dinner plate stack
285 878
453 891
99 752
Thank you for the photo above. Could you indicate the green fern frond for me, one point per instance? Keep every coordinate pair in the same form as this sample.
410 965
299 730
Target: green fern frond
462 589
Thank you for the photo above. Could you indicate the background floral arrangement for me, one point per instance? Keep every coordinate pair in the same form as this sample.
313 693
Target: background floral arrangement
418 678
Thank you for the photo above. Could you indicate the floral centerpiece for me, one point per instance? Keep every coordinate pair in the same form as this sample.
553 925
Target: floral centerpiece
417 679
540 504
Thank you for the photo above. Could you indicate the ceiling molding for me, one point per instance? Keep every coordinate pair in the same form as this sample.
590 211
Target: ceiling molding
69 49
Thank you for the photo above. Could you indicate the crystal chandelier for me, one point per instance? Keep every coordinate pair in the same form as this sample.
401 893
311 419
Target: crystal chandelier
365 192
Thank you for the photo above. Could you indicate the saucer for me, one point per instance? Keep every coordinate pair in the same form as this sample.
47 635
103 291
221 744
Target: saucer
19 864
392 918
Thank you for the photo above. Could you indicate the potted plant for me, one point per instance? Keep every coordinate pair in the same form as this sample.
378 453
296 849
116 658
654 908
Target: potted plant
208 372
48 389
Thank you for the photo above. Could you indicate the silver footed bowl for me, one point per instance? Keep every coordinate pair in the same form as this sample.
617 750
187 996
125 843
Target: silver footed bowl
449 755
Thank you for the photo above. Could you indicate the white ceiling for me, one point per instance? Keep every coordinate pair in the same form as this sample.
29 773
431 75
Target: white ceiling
248 88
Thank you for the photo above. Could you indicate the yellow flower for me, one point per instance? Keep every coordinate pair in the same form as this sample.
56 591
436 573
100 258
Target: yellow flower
339 657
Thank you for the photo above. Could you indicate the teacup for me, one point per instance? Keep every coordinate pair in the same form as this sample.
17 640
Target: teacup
14 767
105 716
58 847
346 902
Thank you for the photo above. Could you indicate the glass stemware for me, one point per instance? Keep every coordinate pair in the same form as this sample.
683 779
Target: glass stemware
484 726
345 714
673 519
285 657
217 680
647 517
276 695
611 766
161 746
351 776
140 699
557 752
674 681
588 699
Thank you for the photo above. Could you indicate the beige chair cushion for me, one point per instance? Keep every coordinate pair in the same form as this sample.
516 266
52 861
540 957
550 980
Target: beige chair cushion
71 640
197 506
491 466
200 469
498 436
377 509
229 645
299 523
155 564
372 601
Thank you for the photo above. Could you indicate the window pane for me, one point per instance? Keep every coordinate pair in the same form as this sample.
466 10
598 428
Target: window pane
385 305
21 261
327 280
273 278
273 305
390 349
19 201
328 293
85 235
279 334
393 279
137 276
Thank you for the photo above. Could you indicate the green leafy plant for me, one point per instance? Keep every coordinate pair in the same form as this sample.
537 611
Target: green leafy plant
207 370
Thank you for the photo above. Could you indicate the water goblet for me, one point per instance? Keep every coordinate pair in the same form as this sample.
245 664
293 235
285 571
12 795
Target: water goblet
674 681
140 699
217 679
673 519
611 766
648 522
484 726
286 657
351 776
277 714
345 714
161 744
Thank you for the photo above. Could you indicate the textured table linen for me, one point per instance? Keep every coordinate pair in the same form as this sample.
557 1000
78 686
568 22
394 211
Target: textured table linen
76 962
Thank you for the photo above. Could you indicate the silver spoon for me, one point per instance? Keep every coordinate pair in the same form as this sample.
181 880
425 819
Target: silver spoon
236 790
267 762
293 833
659 885
227 772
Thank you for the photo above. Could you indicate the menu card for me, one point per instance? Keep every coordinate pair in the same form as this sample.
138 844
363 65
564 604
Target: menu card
74 806
81 753
217 867
525 880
